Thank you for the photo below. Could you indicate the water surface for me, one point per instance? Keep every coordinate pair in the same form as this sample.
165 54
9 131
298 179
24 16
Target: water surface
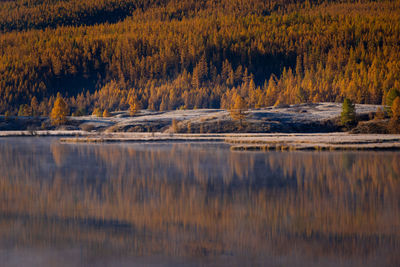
195 204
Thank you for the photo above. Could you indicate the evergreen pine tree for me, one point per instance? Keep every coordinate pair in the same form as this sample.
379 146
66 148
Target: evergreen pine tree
390 97
348 115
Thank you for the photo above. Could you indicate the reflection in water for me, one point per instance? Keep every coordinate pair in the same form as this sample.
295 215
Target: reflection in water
198 204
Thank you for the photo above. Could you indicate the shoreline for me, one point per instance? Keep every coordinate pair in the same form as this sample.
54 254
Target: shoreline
44 133
251 142
237 141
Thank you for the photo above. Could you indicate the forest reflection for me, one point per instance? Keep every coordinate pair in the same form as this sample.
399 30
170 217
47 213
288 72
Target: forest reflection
196 201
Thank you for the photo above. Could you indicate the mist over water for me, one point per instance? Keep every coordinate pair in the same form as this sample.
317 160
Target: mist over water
195 204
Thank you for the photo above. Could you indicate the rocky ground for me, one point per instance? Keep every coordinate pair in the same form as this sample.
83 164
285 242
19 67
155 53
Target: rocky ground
304 118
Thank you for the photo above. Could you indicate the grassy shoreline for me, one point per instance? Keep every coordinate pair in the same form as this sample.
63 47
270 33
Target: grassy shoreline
236 141
258 142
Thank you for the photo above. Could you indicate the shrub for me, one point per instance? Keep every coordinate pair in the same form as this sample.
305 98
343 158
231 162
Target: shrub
380 114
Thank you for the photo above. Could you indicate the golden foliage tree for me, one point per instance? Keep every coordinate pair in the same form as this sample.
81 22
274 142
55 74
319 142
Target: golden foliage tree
97 112
396 108
394 123
59 112
106 114
238 110
35 106
134 105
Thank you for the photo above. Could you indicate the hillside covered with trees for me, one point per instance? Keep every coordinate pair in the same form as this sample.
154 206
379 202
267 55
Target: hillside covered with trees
169 54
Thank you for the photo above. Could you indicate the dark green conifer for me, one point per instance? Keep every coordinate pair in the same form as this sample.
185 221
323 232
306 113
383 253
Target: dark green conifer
348 115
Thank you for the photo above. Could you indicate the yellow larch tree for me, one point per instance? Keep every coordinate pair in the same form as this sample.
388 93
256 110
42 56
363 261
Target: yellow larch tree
238 109
59 112
134 105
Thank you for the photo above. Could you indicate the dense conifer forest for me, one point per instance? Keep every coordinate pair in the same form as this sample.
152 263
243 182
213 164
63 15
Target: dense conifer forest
170 54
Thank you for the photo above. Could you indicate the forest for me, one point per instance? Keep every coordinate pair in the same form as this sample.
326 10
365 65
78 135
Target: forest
187 54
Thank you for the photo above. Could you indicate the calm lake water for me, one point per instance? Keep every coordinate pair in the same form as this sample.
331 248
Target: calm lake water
195 204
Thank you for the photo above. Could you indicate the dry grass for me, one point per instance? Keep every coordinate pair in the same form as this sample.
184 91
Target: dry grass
334 141
282 147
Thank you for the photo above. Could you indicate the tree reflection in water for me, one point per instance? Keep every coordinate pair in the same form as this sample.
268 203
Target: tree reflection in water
199 203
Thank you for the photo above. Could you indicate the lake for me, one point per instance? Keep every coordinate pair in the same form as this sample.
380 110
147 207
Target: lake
190 204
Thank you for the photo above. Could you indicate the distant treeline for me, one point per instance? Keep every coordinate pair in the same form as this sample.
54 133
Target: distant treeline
195 54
